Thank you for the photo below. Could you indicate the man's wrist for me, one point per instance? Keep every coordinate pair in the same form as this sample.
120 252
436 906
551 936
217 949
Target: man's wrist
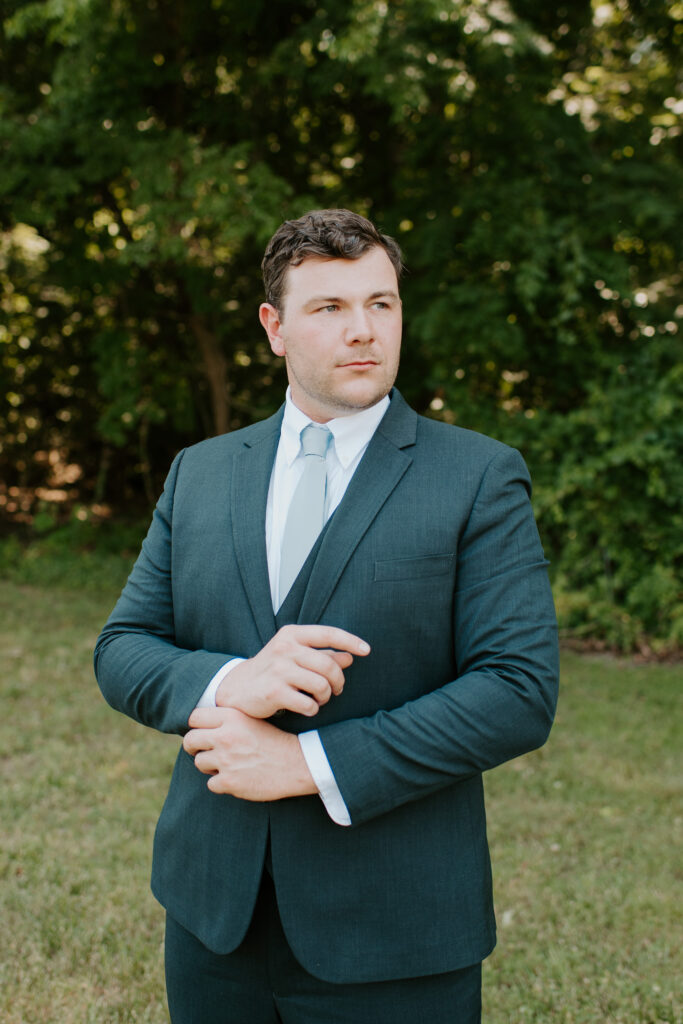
301 782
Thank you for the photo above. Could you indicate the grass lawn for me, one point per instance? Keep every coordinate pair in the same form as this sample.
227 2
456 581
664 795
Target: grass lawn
582 835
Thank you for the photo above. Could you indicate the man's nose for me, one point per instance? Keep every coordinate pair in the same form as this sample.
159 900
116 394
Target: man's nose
358 327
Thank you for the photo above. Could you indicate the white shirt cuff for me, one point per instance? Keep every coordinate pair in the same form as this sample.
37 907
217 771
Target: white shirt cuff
208 698
319 767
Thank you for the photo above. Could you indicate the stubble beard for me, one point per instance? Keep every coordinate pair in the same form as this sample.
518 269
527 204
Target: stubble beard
332 401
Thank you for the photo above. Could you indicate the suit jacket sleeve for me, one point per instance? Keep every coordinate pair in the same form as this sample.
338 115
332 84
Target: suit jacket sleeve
501 704
140 669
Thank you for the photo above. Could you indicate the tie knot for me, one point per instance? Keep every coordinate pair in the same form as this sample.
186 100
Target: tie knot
315 440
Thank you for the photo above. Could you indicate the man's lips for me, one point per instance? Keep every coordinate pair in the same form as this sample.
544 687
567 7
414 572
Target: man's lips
359 363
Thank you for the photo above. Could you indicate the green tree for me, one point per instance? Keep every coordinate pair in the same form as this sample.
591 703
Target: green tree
525 155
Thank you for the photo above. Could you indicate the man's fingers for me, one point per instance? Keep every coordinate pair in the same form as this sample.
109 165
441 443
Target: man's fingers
328 636
205 762
216 784
205 718
343 658
302 704
190 743
298 670
197 739
323 671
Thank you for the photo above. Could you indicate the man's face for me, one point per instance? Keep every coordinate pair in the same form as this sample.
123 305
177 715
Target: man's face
339 331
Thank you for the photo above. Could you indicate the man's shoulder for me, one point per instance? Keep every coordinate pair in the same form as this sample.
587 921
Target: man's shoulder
405 426
449 440
447 451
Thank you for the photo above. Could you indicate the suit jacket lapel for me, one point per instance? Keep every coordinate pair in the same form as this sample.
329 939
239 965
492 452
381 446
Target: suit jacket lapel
378 473
249 494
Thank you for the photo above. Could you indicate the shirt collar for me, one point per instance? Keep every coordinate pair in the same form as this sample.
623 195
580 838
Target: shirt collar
351 433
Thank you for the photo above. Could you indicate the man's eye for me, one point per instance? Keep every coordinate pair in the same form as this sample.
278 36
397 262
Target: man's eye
328 309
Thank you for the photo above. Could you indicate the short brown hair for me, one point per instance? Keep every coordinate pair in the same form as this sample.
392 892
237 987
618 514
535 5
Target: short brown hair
332 234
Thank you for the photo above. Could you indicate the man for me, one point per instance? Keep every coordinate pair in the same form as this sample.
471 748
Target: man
341 684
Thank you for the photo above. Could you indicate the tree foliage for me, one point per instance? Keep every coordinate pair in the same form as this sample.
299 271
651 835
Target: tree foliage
525 155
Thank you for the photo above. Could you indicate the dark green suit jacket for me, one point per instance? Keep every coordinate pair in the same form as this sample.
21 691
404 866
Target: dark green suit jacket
434 558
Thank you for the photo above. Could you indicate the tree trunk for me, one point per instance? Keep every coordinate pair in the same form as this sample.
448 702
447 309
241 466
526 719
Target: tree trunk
216 370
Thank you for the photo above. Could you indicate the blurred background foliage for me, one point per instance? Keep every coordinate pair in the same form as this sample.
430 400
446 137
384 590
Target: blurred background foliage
525 155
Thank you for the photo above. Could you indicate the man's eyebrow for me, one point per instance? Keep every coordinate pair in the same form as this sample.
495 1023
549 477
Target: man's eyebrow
386 293
315 299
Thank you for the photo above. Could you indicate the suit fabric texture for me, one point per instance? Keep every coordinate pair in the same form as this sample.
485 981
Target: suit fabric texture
434 558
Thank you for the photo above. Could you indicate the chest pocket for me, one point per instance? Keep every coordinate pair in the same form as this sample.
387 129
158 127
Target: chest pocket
392 569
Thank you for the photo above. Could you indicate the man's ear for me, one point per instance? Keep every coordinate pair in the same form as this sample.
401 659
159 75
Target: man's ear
272 325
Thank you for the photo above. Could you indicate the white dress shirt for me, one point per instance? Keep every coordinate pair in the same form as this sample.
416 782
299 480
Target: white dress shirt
350 437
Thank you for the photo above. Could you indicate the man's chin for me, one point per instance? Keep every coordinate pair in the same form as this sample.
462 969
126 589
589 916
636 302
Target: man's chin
359 399
346 401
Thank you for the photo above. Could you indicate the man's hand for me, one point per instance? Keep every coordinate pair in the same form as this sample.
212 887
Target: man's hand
246 757
298 670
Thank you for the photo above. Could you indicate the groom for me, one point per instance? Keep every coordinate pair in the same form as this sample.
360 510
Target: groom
341 675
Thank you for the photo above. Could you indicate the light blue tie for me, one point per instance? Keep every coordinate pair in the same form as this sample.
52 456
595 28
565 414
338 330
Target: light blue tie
306 516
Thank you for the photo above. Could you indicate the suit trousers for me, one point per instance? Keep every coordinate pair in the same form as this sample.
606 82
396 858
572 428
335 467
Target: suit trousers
261 982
